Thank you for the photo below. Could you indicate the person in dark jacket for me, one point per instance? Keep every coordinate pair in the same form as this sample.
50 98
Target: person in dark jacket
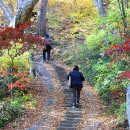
47 49
76 84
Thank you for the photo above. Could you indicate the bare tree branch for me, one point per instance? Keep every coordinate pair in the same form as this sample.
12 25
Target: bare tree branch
6 12
11 8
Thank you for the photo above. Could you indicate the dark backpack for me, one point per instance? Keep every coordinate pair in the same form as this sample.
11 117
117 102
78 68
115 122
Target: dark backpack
48 41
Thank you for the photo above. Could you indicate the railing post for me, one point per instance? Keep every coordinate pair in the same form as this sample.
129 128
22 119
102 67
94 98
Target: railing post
128 104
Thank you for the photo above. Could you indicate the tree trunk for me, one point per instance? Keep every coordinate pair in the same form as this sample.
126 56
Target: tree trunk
128 104
41 24
100 7
23 13
123 15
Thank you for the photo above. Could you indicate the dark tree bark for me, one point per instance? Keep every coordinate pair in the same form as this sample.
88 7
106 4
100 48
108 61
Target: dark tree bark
41 24
123 15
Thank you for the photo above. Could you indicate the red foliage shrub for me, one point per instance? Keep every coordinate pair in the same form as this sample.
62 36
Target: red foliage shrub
125 74
121 51
10 36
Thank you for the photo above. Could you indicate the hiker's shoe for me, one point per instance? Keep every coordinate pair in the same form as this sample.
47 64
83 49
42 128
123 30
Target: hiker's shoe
75 106
79 105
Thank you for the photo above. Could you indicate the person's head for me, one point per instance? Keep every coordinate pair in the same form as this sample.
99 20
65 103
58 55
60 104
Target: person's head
76 68
47 36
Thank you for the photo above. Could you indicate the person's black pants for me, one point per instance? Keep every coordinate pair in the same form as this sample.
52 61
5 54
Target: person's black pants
76 94
46 55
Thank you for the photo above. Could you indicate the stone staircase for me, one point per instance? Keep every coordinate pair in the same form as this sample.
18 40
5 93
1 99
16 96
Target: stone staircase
72 115
72 119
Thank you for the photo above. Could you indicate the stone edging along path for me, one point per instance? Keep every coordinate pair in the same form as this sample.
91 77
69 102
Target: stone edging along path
59 114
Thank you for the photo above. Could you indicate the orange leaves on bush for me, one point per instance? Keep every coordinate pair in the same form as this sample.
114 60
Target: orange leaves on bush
114 46
22 84
3 72
21 74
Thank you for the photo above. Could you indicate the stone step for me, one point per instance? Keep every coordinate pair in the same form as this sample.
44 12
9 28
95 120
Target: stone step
89 127
71 121
68 125
36 127
67 92
69 100
66 128
73 111
66 89
68 97
72 118
69 103
73 115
